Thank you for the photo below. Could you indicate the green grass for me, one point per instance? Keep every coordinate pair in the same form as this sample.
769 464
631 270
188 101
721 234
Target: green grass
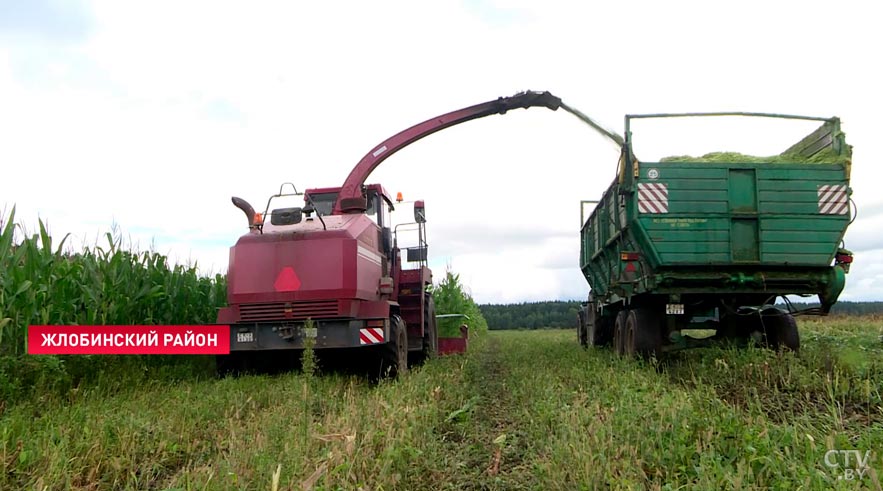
521 410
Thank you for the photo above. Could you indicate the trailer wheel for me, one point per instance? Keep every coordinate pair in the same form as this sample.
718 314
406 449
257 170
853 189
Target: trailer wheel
598 329
643 333
779 330
582 328
394 354
619 332
731 328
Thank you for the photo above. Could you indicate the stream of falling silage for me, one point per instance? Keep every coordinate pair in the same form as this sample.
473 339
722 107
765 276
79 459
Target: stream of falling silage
591 122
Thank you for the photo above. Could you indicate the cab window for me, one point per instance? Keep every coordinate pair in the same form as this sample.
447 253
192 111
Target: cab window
371 211
324 202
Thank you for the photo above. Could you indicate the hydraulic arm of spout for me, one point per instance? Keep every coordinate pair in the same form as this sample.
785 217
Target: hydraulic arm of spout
351 199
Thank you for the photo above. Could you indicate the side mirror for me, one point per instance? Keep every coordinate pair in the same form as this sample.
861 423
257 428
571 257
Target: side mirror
286 216
419 212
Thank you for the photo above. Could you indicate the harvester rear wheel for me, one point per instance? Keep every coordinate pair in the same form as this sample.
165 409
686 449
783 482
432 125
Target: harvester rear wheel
619 332
643 333
394 354
430 334
779 330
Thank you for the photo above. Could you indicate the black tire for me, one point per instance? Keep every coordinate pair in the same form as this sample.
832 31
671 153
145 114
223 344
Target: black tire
598 329
619 332
430 326
226 365
394 353
732 328
643 333
581 328
232 365
268 362
430 334
779 330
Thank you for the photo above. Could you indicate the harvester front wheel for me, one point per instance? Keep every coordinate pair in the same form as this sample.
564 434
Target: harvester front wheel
394 354
234 364
227 365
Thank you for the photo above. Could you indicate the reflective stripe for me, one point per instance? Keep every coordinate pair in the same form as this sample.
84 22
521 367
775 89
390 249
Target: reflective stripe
372 335
833 199
652 197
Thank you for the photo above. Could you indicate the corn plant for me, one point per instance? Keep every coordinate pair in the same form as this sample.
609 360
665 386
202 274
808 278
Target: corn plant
46 283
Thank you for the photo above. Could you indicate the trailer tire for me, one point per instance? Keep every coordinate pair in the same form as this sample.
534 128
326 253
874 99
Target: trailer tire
779 330
582 328
731 328
394 354
598 328
643 333
619 332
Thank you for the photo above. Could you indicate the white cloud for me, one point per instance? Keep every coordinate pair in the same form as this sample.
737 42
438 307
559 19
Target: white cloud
162 111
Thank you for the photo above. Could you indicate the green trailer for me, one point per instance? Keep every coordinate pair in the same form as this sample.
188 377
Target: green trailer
713 242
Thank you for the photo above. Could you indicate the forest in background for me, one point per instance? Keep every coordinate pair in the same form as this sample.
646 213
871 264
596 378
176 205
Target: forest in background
562 314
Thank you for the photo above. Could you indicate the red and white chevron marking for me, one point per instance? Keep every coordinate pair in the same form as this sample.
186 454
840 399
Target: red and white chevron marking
372 335
652 197
833 199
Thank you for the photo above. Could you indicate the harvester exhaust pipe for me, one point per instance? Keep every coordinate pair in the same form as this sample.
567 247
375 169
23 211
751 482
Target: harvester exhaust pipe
246 208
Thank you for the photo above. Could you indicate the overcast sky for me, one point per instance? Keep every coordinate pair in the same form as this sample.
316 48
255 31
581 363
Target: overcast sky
150 115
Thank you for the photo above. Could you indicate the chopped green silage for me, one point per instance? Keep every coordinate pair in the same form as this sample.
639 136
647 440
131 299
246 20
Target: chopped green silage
826 156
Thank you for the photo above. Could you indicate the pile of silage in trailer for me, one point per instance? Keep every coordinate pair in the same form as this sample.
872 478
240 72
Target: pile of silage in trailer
826 156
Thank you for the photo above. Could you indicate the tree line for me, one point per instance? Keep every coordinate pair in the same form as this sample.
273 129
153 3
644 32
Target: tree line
563 314
533 315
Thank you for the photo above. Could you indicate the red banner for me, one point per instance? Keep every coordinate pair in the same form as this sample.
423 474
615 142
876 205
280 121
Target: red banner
128 340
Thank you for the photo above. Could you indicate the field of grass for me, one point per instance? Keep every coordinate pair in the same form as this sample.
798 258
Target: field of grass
522 410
